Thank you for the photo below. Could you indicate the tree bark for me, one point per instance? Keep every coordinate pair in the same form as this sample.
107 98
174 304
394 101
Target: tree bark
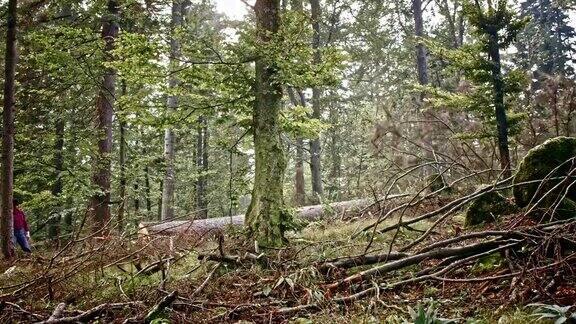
421 61
336 169
267 217
300 186
173 82
202 167
499 107
100 202
422 68
7 188
122 205
147 188
315 147
54 223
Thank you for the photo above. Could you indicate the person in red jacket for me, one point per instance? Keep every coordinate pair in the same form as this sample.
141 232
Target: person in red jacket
21 231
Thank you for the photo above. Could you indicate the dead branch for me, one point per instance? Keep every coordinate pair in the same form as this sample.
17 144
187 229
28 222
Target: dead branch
360 260
91 314
57 313
162 304
415 259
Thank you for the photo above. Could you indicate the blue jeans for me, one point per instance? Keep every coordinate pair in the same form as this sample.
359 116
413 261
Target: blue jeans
22 240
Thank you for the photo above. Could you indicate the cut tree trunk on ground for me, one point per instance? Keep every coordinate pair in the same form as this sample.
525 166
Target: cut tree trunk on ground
202 226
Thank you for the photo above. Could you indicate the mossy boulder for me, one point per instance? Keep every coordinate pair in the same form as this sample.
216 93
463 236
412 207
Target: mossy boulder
539 163
488 208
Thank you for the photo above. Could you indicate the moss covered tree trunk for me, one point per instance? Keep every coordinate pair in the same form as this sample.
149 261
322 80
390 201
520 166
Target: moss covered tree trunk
266 217
498 91
8 134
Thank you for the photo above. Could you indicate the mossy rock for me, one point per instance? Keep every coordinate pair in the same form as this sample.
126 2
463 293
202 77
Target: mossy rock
487 208
538 164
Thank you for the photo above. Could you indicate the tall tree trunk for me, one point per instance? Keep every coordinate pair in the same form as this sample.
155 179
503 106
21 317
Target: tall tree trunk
315 149
147 189
422 68
336 169
267 218
202 167
160 202
8 133
421 61
122 158
54 223
173 82
122 205
299 184
499 107
100 202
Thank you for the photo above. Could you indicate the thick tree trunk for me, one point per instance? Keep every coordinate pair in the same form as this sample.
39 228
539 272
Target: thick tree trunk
8 133
202 167
100 202
315 148
54 223
499 107
173 82
267 217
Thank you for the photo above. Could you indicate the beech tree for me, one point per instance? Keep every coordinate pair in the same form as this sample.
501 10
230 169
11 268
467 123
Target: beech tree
267 217
172 104
100 201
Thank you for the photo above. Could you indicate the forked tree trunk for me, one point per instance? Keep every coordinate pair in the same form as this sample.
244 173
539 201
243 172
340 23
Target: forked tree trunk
267 218
8 133
500 109
100 202
315 148
169 153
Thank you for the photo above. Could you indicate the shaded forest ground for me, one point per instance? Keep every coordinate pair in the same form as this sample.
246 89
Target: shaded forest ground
222 278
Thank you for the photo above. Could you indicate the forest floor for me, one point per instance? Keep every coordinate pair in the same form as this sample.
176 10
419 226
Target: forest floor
221 278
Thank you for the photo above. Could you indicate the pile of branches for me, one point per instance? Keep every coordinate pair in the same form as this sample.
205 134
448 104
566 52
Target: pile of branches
534 252
539 254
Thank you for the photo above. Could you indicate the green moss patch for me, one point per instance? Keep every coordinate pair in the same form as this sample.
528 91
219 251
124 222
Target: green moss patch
541 162
487 208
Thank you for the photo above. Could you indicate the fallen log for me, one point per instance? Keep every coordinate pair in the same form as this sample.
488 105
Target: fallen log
202 226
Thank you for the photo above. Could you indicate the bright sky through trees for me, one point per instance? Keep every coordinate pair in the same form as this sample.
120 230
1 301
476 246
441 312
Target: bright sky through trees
235 9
